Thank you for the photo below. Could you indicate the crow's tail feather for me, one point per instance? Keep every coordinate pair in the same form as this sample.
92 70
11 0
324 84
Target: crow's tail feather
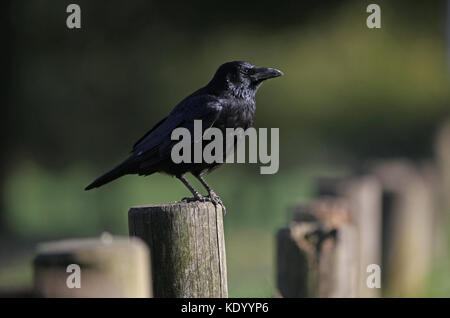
122 169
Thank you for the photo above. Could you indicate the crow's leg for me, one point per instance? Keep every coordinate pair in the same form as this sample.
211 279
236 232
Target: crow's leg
197 196
212 195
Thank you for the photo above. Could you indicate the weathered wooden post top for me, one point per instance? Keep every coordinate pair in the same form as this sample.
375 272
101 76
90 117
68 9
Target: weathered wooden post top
316 252
92 267
187 246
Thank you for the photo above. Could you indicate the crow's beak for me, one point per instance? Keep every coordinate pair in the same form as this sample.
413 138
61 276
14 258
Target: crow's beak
263 73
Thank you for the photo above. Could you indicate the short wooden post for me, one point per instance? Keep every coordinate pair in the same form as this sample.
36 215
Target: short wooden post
292 267
338 263
317 253
408 220
442 149
187 245
364 197
106 267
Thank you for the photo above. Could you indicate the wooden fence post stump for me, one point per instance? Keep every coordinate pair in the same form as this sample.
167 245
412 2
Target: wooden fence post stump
187 245
364 197
296 259
442 149
107 267
338 263
317 253
292 267
408 226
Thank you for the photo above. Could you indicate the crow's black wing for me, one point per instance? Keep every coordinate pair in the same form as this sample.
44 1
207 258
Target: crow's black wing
155 145
203 107
148 133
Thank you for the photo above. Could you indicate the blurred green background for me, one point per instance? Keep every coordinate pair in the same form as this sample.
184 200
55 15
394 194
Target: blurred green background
75 101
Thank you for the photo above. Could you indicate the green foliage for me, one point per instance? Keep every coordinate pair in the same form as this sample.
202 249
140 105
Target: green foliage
43 204
370 92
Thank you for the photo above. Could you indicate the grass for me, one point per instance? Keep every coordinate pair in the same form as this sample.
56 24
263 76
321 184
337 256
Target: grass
44 205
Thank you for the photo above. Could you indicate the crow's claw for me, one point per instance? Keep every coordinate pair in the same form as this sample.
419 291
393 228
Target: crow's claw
197 198
214 198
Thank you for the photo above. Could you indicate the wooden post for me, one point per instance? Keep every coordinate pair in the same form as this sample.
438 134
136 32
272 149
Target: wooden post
296 258
338 263
293 272
408 218
442 149
317 253
440 178
187 245
107 267
364 197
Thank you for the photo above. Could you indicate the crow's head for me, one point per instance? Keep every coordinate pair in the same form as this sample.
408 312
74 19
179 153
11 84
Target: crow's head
241 77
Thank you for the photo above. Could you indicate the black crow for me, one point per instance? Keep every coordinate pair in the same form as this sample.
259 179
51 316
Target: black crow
227 101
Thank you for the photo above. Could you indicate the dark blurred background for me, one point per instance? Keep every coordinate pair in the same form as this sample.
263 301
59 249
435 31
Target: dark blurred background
75 100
